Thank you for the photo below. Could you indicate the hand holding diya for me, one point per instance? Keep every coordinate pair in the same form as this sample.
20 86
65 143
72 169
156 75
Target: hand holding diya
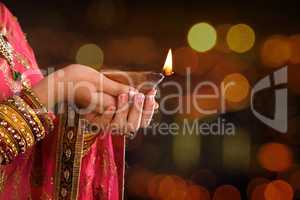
144 81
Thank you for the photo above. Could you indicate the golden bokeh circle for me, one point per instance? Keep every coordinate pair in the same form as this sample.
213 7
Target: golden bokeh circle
276 51
236 87
240 38
202 37
90 55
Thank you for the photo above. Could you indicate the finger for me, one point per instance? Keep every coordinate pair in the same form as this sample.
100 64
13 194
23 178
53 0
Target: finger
120 119
103 121
98 79
103 101
149 108
135 114
113 87
96 101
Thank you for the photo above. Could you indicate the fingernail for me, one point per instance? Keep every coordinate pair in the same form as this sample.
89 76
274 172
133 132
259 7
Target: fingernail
140 97
131 92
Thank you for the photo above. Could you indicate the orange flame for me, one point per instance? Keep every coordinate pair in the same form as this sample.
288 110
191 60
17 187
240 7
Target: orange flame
168 68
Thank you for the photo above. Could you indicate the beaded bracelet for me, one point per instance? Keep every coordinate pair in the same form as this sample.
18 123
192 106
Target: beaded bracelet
15 133
45 116
6 153
7 142
30 116
19 123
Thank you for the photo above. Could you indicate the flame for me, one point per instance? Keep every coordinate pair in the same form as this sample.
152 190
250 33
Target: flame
168 69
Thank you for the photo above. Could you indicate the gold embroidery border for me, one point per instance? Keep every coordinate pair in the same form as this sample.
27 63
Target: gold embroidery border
74 163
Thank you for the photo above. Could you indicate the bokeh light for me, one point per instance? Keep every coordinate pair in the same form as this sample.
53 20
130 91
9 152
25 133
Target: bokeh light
276 51
275 157
295 49
186 151
153 186
137 182
236 87
90 55
236 151
279 190
196 192
226 192
254 183
202 37
240 38
166 187
294 179
259 192
180 190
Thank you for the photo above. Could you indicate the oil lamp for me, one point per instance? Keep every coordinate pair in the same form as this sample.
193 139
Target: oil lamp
144 81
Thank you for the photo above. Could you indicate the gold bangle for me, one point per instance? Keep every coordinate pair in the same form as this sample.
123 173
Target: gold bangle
8 140
30 116
6 123
29 94
19 123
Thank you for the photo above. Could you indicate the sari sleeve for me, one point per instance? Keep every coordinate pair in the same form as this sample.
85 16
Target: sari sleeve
17 38
21 126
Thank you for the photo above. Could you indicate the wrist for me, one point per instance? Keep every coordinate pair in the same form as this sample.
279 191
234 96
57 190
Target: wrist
49 90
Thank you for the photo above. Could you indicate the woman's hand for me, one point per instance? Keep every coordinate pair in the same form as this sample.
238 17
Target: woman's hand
107 103
133 111
82 85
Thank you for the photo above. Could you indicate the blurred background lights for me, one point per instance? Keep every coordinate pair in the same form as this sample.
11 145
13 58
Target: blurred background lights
153 186
226 192
295 49
236 87
236 151
90 55
240 38
275 157
222 44
259 192
196 192
279 190
185 57
202 37
166 187
294 180
179 191
254 183
186 151
276 51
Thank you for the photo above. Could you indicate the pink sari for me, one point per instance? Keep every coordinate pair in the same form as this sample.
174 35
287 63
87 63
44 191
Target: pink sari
55 168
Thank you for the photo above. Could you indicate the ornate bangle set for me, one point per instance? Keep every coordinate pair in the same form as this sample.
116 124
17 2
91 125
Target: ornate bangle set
23 122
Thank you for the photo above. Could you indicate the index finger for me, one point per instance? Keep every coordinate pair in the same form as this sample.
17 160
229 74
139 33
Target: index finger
113 87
